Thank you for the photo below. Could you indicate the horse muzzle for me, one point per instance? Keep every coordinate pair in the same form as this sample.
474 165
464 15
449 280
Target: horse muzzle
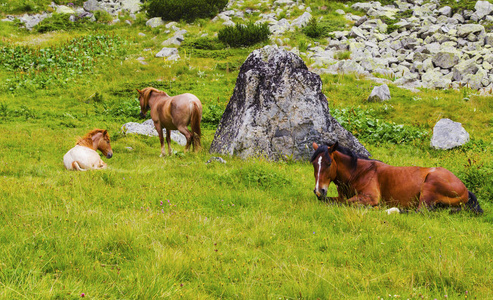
321 194
109 155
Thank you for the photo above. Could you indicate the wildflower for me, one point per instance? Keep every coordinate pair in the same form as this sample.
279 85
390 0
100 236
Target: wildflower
161 202
82 295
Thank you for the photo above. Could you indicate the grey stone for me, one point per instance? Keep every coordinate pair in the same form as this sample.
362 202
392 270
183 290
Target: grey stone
216 158
379 94
147 128
448 134
167 52
483 8
445 59
278 110
467 29
155 22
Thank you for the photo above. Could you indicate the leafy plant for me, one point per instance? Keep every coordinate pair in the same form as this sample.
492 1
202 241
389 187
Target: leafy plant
364 125
244 35
44 67
212 115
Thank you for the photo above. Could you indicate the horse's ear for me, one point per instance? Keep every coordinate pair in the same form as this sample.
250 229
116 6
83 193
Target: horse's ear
140 92
315 146
334 147
105 132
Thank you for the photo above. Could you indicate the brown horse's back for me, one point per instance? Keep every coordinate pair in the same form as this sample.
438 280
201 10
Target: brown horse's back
405 186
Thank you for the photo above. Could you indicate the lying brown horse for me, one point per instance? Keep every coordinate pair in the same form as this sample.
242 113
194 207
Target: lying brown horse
83 156
371 182
172 113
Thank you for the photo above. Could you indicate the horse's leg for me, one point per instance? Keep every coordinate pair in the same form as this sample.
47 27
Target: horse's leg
161 137
168 140
76 166
365 199
187 134
441 191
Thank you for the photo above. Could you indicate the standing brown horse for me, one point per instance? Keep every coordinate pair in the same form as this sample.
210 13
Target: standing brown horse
371 182
172 113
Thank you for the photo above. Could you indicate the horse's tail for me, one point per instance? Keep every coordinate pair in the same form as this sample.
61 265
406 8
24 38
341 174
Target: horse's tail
473 204
196 117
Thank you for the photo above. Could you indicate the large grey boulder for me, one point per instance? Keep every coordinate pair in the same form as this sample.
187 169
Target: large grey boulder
147 128
448 134
278 110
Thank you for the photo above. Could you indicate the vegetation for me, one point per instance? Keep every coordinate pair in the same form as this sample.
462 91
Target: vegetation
188 10
242 35
182 228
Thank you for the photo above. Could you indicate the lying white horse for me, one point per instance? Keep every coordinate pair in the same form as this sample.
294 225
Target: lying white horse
84 156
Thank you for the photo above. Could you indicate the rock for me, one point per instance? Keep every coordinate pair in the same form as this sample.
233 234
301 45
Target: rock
448 134
379 94
131 6
278 110
62 9
467 29
147 128
92 5
302 20
155 22
445 59
483 8
167 52
215 158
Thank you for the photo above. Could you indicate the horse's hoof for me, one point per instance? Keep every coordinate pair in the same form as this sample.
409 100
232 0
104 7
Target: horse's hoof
393 210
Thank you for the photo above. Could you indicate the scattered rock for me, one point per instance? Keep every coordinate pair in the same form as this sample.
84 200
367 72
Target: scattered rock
379 94
448 134
147 128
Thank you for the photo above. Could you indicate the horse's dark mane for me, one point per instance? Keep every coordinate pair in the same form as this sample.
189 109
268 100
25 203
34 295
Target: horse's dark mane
321 149
354 156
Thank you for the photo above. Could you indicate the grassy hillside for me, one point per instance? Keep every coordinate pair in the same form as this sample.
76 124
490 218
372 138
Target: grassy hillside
177 227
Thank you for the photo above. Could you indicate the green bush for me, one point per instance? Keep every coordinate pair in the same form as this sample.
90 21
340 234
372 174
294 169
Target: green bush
188 10
313 29
244 35
205 43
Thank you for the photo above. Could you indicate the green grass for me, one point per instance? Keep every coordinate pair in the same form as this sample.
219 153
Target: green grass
177 227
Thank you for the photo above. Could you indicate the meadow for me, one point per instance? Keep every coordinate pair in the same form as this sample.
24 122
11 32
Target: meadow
181 228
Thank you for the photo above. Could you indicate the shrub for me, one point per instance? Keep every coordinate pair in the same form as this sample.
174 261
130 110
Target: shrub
244 35
205 43
313 29
103 17
188 10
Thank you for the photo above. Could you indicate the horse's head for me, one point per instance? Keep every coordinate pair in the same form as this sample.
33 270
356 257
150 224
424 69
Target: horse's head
325 168
103 144
144 102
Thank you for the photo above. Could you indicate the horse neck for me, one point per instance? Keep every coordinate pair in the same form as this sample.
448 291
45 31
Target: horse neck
155 97
91 142
344 168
